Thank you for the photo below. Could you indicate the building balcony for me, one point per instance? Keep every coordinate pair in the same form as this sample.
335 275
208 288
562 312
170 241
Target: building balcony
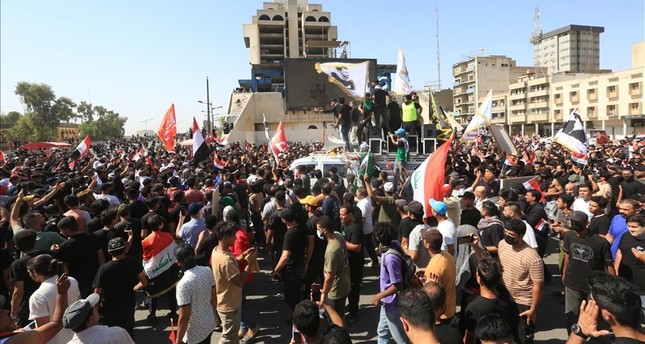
540 117
519 118
540 93
517 107
456 83
470 90
517 96
499 108
539 105
498 120
558 117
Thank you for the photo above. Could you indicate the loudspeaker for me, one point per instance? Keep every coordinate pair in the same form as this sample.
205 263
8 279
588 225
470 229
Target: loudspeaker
413 143
376 146
429 145
374 132
428 131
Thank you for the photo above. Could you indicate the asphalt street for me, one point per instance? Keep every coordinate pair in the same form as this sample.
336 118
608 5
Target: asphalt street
273 313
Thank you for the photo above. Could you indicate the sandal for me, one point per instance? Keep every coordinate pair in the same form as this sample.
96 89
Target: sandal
249 338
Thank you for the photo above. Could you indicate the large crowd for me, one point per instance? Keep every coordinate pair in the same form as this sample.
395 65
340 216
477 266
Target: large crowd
81 238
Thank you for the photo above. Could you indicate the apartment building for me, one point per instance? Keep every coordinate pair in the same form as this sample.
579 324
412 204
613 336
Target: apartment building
571 48
474 77
286 29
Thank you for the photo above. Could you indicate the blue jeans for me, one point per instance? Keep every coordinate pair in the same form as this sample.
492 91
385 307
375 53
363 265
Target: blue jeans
344 133
390 329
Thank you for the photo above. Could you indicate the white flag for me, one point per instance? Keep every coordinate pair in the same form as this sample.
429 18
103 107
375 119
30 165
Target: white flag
482 119
402 79
350 77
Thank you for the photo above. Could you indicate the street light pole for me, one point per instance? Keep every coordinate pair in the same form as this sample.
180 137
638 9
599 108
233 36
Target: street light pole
208 109
145 123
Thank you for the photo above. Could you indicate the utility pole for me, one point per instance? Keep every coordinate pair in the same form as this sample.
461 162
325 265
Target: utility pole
208 109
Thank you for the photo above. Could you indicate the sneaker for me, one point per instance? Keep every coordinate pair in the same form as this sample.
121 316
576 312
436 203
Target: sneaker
280 296
152 320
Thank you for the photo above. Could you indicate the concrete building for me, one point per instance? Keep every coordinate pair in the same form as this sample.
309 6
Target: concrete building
572 48
475 76
540 104
286 29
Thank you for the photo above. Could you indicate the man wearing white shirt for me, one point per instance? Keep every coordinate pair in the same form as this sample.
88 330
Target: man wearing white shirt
365 205
446 227
512 211
582 202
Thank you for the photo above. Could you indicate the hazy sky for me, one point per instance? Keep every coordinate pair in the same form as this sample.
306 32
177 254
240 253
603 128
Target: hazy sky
138 57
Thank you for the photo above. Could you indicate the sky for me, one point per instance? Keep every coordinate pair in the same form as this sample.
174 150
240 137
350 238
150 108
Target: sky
138 57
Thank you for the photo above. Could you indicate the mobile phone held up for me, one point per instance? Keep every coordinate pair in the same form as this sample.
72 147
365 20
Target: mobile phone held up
60 268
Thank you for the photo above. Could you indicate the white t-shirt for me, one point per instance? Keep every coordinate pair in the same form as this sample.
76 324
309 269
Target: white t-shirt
43 302
415 243
101 334
529 236
449 232
365 205
195 289
581 205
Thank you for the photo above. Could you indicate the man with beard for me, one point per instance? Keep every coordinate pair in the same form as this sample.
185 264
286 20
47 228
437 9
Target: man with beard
315 246
629 186
626 209
583 253
630 258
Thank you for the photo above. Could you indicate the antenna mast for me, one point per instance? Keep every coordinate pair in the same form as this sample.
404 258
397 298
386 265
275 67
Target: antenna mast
438 54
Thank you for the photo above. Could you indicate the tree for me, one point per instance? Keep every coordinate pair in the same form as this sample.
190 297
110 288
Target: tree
11 117
108 125
45 110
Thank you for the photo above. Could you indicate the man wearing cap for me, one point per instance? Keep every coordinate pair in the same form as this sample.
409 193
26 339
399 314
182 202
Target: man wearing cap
583 253
446 227
117 281
82 317
196 298
190 230
402 151
387 213
315 245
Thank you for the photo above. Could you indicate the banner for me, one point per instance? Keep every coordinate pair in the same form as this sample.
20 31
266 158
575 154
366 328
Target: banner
352 78
82 148
279 141
168 129
201 151
482 119
401 78
444 129
572 136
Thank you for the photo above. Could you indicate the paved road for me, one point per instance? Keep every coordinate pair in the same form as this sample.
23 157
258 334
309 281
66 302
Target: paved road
273 312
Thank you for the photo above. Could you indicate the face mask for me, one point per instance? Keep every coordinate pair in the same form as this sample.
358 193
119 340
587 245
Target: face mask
320 235
509 240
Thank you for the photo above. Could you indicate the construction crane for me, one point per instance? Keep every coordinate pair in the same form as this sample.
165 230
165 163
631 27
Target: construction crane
344 45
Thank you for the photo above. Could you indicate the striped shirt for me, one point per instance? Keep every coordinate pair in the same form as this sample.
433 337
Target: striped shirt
522 268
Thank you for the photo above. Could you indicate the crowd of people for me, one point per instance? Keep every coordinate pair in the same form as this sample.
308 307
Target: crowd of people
80 238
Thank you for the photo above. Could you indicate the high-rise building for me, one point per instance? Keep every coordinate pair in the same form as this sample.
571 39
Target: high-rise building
572 48
474 77
286 29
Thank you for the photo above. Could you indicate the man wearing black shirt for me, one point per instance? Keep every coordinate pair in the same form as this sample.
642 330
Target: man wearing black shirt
630 258
445 333
536 217
344 121
137 207
493 299
81 254
469 214
315 245
128 223
490 227
353 234
630 186
292 260
600 222
117 281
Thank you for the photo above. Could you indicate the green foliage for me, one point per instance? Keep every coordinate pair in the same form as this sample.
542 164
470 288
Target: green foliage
44 112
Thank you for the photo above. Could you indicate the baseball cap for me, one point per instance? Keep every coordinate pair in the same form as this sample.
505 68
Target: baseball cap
400 131
78 311
401 204
116 244
446 189
310 201
388 187
193 208
438 206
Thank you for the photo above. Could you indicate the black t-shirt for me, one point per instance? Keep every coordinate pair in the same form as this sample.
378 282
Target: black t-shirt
137 209
379 98
503 305
346 110
447 334
624 340
356 116
353 233
406 226
94 225
279 229
632 187
492 235
135 226
117 278
205 249
470 217
585 255
599 224
319 245
631 268
103 237
5 263
81 253
294 242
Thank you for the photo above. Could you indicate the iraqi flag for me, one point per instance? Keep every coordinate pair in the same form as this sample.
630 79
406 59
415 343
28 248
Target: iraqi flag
428 179
532 184
218 163
159 263
279 141
82 148
572 136
201 151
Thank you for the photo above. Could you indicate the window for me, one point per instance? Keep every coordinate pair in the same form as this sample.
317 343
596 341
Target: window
611 111
612 91
634 88
591 94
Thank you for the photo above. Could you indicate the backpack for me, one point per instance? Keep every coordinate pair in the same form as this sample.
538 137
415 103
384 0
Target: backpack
409 270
